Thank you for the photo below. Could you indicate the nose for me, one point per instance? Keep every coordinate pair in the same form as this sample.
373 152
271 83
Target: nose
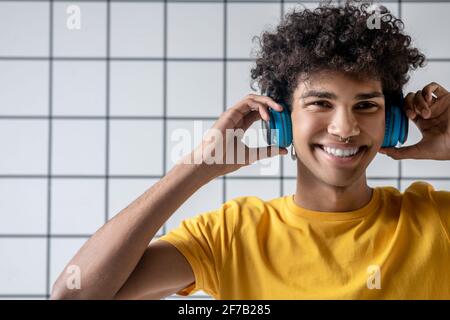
343 124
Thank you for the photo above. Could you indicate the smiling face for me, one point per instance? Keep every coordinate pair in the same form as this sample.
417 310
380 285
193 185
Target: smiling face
331 105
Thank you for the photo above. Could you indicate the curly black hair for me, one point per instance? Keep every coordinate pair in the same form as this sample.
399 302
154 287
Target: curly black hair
338 38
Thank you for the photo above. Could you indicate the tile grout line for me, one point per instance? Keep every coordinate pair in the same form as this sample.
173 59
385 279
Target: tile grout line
31 117
219 1
224 84
107 122
49 164
140 59
164 117
165 36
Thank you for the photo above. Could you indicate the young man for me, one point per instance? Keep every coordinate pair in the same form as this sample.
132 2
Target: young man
336 237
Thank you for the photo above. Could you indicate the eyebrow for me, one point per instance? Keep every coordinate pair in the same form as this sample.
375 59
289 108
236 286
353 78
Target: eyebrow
332 96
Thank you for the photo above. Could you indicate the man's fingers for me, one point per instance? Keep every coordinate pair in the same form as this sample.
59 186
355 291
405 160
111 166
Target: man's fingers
238 113
270 151
260 108
259 153
409 152
409 106
420 105
256 103
268 101
250 119
435 88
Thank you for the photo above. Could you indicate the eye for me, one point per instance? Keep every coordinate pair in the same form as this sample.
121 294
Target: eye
366 106
322 104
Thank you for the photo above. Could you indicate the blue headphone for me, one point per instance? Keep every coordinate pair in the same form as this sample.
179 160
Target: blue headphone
396 123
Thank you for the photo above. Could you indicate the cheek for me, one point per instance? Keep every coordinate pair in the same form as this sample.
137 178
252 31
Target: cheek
303 132
374 128
305 126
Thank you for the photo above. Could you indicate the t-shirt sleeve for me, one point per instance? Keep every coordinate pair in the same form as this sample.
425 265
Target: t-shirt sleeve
442 201
204 240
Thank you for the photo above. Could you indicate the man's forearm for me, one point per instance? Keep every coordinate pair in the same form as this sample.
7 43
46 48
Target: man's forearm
107 259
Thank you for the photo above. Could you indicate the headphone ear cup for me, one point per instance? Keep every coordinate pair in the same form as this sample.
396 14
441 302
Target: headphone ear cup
279 128
387 141
396 123
287 126
405 129
405 125
269 128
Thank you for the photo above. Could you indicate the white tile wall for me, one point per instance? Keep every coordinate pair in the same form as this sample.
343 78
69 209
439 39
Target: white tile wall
194 89
238 81
25 269
137 29
241 29
136 88
24 145
134 147
298 5
24 28
24 87
382 166
79 88
78 146
110 137
436 71
289 186
78 206
14 210
89 40
195 30
421 21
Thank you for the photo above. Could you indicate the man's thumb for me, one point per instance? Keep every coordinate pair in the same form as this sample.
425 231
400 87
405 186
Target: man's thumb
270 151
409 152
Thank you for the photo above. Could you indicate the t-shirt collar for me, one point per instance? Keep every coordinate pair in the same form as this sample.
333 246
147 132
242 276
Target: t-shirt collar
295 210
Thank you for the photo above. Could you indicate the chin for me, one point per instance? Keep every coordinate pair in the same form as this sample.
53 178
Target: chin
340 180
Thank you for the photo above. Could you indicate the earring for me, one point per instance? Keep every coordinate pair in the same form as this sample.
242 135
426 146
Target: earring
293 154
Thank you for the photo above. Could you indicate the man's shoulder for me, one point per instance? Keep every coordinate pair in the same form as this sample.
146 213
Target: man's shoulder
423 189
422 193
238 205
250 206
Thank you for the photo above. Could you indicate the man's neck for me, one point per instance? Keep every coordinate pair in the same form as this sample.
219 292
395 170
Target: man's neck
313 194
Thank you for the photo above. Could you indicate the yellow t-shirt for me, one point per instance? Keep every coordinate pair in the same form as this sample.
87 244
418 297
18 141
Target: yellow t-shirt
395 247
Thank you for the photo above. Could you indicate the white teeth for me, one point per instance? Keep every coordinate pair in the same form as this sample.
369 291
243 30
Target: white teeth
340 152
